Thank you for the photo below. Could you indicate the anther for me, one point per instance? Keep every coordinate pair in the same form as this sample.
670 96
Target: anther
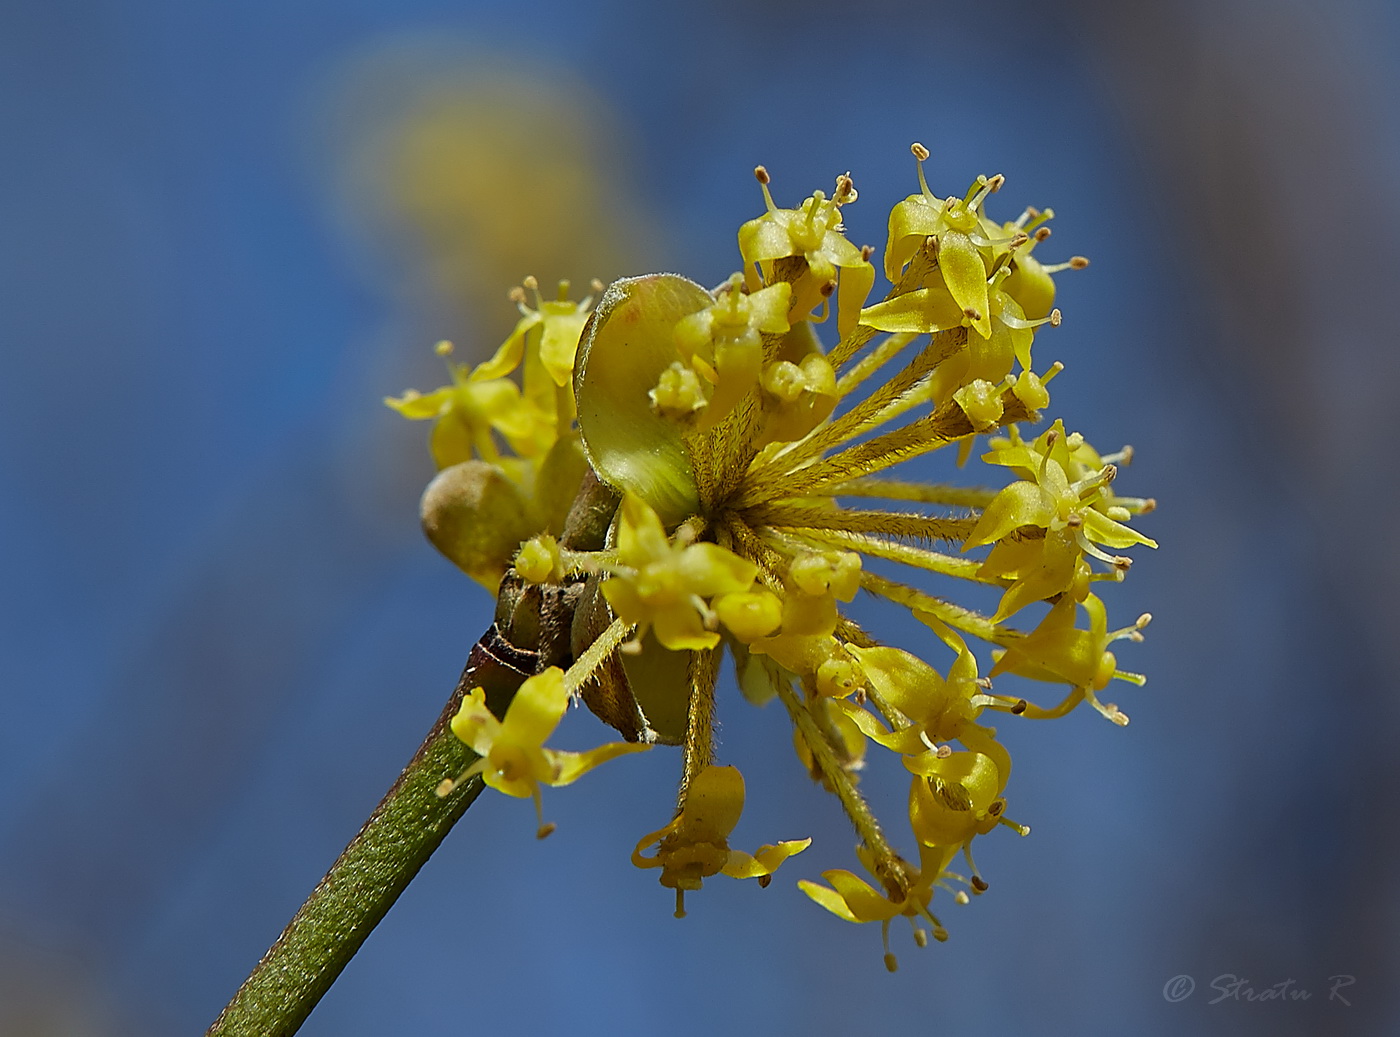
1020 707
443 348
1041 233
761 175
1056 317
979 884
546 830
596 285
531 283
828 289
1148 505
920 152
994 184
516 294
866 251
764 881
1078 262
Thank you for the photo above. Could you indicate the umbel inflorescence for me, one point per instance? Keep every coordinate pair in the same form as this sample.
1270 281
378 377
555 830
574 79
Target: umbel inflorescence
740 471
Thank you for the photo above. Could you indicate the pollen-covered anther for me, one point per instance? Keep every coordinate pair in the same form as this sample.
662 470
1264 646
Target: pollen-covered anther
443 348
919 151
1078 262
1041 233
845 192
995 183
761 175
1056 318
828 289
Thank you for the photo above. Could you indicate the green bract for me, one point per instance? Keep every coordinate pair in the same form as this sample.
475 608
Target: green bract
627 343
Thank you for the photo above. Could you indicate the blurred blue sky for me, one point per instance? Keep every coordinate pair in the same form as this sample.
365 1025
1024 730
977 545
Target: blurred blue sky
221 633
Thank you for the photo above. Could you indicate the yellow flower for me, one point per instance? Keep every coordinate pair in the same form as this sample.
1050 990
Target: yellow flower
852 898
724 342
663 585
1069 513
812 232
955 796
468 413
964 248
695 845
513 757
1058 651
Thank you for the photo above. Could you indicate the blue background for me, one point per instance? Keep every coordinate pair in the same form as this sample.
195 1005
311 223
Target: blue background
221 633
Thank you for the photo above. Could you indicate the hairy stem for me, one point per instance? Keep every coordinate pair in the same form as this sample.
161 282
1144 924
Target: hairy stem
411 820
373 870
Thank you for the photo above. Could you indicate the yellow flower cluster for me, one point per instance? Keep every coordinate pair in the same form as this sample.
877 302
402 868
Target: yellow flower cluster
743 456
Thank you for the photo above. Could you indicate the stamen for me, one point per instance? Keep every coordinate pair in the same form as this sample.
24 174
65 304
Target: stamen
921 156
978 187
1075 263
761 175
544 830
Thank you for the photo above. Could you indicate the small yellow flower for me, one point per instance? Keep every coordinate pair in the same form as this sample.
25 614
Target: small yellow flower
468 413
663 585
852 898
963 245
1060 652
513 757
1072 514
695 845
723 343
813 232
